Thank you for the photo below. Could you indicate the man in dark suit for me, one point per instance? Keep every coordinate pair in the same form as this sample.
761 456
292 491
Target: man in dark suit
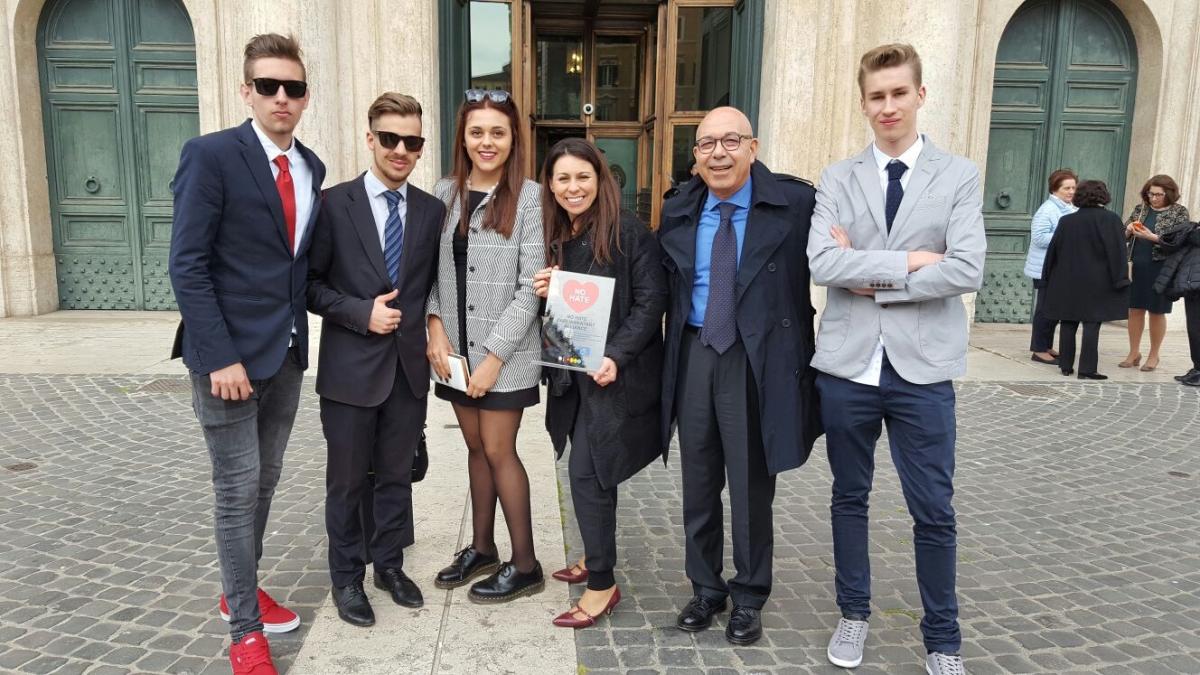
373 261
737 377
244 201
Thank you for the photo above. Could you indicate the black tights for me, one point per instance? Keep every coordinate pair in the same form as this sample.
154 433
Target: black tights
497 472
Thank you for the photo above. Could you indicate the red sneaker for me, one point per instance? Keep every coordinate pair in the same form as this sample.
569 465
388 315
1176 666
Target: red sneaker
252 656
275 617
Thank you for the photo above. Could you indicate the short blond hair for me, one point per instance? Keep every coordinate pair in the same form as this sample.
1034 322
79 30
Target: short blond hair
889 56
392 103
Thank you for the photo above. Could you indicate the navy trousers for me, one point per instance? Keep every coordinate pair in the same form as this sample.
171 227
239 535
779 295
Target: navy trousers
921 431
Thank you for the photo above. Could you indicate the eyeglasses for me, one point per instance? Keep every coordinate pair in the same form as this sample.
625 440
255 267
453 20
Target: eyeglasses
1157 194
730 142
390 140
267 86
493 95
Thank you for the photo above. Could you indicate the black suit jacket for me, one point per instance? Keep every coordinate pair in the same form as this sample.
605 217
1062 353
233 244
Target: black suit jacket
238 286
347 272
774 309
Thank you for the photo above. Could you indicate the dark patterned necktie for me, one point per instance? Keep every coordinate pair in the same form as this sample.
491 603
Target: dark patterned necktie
720 317
393 235
895 193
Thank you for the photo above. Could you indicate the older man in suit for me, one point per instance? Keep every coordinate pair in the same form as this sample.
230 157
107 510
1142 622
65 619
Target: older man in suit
898 238
373 260
245 199
736 374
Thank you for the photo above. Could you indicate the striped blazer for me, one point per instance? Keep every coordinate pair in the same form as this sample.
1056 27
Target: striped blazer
502 311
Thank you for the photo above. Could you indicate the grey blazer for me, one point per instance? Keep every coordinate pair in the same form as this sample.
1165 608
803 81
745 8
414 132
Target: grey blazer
502 311
920 316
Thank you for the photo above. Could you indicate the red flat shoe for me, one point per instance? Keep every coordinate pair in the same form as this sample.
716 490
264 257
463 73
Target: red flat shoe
569 575
568 619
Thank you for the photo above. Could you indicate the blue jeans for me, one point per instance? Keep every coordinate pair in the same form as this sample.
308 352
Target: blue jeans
246 440
921 432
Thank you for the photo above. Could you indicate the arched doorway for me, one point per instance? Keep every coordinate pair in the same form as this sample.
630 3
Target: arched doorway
1063 96
118 82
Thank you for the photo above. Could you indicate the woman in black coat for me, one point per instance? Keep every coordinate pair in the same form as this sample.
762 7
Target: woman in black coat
1180 278
1087 277
612 415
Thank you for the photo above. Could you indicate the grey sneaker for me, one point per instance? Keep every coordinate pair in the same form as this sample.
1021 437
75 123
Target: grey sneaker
937 663
846 645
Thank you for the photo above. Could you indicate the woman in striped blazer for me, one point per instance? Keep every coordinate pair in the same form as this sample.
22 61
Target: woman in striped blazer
483 307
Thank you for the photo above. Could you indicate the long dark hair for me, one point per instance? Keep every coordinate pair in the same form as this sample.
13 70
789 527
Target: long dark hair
501 212
602 220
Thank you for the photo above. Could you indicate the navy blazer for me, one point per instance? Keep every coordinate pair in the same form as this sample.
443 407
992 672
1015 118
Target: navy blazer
238 286
774 309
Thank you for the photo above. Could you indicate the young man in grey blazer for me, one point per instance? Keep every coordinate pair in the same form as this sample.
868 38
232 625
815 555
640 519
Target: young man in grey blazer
897 237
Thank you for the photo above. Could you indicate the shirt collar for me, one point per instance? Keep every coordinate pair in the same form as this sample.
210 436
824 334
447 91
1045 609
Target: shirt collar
909 156
375 187
741 198
269 146
1060 203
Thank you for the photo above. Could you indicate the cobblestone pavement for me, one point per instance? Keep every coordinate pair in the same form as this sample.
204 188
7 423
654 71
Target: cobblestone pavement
107 562
1079 548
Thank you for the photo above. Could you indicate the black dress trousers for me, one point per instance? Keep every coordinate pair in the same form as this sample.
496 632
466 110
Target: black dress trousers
720 436
361 439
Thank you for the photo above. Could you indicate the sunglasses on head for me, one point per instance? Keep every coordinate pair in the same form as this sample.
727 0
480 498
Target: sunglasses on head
493 95
390 140
267 86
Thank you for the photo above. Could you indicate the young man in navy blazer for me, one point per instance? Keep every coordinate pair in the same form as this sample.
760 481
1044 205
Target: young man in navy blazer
245 201
373 261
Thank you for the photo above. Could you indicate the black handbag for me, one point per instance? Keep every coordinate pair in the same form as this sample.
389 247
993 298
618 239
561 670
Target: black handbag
420 460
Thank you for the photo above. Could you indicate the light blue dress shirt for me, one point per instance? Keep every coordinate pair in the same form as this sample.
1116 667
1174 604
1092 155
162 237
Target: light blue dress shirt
706 231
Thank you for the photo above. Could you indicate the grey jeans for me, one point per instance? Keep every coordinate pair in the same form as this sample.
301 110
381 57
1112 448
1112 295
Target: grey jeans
246 440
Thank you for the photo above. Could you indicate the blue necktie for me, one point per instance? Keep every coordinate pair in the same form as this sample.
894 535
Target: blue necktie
720 316
895 192
393 235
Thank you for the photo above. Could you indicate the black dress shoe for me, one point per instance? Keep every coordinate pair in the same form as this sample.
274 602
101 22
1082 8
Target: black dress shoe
1189 373
1192 380
468 564
1092 376
1067 372
698 613
404 592
508 584
745 626
1049 362
353 606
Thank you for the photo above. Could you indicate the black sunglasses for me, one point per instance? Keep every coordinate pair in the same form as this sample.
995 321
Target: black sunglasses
390 140
266 86
493 95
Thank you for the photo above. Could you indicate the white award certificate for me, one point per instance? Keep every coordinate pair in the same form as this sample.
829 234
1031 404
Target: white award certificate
575 324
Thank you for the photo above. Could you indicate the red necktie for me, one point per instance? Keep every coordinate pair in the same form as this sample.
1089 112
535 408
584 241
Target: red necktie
287 194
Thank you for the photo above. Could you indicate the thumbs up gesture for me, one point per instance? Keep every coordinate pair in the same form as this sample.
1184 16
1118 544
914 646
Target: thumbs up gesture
384 319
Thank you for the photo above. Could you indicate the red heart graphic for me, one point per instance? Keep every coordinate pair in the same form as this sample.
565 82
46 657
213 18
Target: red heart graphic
580 296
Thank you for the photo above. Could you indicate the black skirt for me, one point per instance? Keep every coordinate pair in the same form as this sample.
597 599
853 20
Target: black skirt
493 400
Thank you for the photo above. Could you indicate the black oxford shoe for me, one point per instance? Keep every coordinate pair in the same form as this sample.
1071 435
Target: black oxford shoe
508 584
745 626
404 592
468 564
698 614
353 606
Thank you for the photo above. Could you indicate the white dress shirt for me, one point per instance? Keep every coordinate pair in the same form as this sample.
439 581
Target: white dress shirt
379 204
301 179
870 376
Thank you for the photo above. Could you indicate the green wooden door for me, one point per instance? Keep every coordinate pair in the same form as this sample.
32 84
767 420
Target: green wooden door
1063 97
119 99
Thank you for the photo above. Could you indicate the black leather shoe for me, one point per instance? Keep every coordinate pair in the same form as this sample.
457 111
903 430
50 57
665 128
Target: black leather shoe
745 626
1038 359
1067 372
468 564
1092 376
508 584
353 606
1189 373
1192 380
404 592
698 614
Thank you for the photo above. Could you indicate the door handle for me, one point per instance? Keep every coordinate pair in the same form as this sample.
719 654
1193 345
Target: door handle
92 185
1003 199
